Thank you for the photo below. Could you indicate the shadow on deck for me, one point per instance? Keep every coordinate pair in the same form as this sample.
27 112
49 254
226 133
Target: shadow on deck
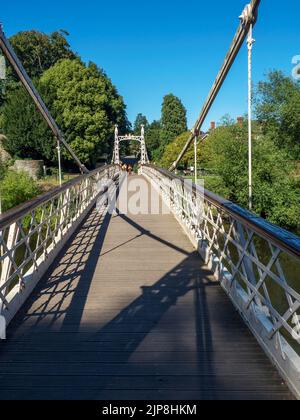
132 316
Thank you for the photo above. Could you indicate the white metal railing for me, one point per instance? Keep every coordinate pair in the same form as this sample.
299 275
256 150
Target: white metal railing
32 234
256 262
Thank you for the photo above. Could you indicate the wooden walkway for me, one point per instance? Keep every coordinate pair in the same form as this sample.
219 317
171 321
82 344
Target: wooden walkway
129 311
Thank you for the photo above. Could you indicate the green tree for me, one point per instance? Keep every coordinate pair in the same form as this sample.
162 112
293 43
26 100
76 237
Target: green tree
139 121
86 106
38 51
134 147
278 110
28 136
153 140
173 119
173 149
276 196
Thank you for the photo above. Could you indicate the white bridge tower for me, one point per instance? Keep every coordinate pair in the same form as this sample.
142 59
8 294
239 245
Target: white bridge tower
129 137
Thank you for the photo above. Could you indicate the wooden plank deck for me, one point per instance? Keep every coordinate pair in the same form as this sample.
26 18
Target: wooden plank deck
129 311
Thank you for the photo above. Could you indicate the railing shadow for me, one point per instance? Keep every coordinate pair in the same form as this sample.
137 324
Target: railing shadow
61 298
68 277
101 356
143 316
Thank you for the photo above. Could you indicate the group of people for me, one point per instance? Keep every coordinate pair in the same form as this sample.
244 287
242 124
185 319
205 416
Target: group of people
127 168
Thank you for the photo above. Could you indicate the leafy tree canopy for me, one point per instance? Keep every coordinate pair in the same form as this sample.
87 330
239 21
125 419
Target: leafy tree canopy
139 121
276 196
38 51
173 119
173 149
86 106
134 147
153 140
225 154
27 134
278 109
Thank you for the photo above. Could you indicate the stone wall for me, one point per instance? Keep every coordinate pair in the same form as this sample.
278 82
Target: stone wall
34 168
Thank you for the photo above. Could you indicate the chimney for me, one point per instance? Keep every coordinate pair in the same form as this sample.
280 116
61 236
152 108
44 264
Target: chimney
212 125
240 121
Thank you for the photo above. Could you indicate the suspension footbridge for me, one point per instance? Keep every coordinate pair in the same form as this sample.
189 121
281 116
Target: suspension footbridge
197 299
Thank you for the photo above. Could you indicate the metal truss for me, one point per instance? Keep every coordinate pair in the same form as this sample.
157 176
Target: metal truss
141 139
256 262
32 235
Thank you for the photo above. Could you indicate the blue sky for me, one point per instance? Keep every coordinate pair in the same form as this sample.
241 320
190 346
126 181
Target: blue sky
153 48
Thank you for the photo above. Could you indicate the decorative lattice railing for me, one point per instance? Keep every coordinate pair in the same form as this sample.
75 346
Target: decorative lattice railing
32 234
257 263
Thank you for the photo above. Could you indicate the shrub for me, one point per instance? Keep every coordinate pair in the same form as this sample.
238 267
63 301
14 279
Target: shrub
16 188
275 193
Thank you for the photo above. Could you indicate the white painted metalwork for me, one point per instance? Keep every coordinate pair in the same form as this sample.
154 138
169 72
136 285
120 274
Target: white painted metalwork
59 162
256 262
250 43
2 68
2 328
196 159
116 153
247 18
32 235
129 137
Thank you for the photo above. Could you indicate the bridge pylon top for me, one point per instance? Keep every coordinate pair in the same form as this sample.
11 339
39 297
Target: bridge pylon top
130 137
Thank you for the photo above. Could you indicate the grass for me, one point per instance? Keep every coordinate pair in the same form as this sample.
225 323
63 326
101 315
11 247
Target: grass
48 183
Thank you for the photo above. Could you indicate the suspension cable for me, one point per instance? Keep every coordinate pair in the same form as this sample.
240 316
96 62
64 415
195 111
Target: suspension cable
248 19
28 85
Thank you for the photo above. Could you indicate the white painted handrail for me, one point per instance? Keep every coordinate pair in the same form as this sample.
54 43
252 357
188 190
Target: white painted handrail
32 234
256 262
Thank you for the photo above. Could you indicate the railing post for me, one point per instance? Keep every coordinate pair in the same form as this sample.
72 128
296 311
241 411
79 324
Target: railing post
63 215
7 263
